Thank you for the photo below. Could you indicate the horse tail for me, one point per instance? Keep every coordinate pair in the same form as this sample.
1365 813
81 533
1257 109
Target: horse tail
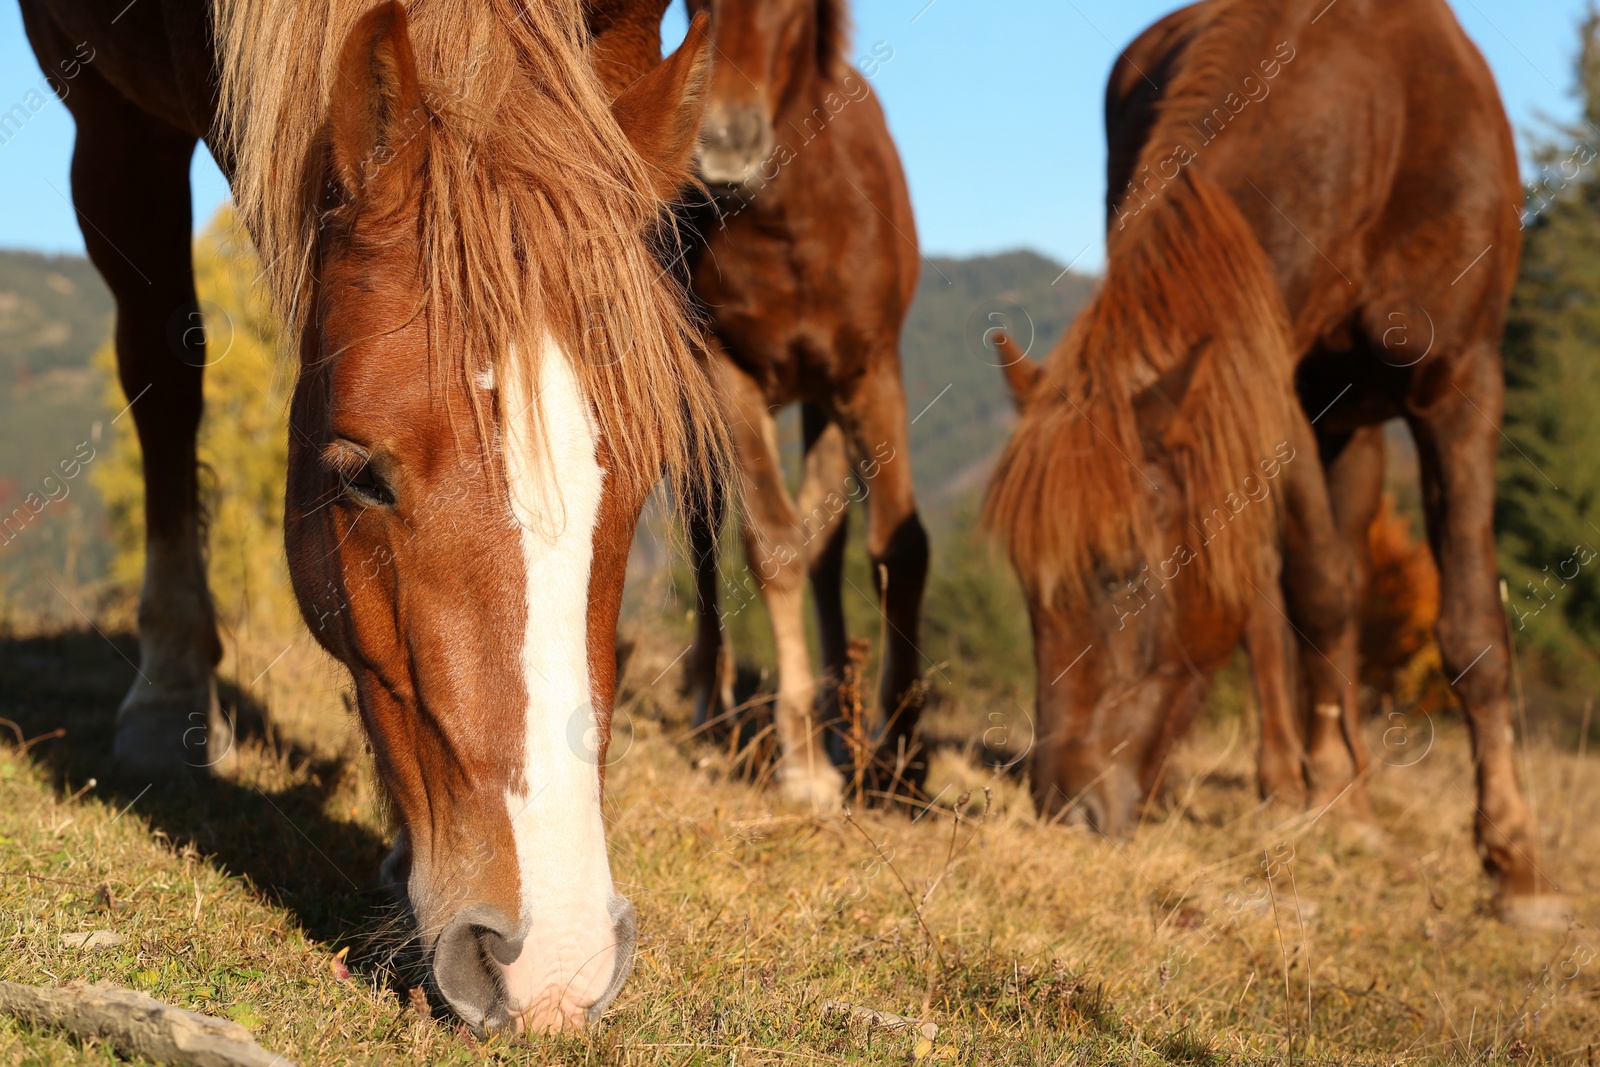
1172 390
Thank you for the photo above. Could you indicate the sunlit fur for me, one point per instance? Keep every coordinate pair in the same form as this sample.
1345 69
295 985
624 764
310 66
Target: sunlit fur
528 225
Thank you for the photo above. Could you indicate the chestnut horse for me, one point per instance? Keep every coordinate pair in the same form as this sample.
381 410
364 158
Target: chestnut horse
805 266
1303 196
492 375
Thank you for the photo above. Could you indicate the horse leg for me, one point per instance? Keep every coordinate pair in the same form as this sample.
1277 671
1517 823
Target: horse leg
130 185
775 550
710 673
825 518
873 414
1457 441
1318 586
1355 487
1280 760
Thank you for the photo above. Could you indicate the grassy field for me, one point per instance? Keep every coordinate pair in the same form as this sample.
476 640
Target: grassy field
255 897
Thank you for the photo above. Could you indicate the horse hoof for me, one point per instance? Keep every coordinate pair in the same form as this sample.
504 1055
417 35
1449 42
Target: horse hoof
818 789
1544 911
174 735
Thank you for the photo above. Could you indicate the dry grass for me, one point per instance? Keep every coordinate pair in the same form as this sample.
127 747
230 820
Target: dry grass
1023 943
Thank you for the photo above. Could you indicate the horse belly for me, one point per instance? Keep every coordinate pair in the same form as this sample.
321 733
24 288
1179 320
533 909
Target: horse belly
157 55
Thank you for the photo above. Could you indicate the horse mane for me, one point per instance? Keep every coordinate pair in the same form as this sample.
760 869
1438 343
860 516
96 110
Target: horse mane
537 214
1188 293
1224 45
833 37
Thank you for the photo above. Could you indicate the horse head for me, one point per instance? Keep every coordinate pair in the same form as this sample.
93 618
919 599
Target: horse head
770 54
463 487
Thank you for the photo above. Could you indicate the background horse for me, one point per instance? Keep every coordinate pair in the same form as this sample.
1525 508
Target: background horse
804 283
1170 635
446 209
1264 239
805 266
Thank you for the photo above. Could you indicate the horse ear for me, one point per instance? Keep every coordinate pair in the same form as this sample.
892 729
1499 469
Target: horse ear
378 125
1159 403
661 111
1022 374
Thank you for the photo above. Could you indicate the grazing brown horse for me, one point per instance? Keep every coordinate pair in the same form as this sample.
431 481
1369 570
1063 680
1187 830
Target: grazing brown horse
805 266
491 377
1311 196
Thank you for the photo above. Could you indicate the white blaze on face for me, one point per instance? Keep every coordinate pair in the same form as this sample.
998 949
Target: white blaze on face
556 483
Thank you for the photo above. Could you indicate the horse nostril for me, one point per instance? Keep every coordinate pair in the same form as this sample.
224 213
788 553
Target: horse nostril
1111 805
395 872
626 930
1094 814
463 965
750 129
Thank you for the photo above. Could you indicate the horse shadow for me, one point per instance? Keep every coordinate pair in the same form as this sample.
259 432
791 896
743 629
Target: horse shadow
59 694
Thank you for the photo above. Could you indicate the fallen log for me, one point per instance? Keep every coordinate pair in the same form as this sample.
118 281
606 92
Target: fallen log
137 1024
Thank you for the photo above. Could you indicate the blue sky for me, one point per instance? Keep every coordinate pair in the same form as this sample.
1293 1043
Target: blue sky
996 108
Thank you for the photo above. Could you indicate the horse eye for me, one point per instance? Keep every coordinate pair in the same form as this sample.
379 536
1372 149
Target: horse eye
367 487
358 476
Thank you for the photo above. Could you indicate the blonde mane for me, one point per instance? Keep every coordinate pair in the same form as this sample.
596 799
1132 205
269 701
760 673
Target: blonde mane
537 212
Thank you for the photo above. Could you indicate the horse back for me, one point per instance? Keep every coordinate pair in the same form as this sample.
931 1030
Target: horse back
1359 140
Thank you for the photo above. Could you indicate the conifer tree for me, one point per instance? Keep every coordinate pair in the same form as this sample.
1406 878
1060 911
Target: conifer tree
1548 512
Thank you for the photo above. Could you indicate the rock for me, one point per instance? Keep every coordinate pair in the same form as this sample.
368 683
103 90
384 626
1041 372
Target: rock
137 1024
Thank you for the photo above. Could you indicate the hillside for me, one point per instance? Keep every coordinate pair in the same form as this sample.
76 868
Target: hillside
946 364
54 313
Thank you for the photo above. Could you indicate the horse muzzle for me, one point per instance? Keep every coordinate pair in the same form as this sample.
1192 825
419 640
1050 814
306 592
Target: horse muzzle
734 142
496 979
